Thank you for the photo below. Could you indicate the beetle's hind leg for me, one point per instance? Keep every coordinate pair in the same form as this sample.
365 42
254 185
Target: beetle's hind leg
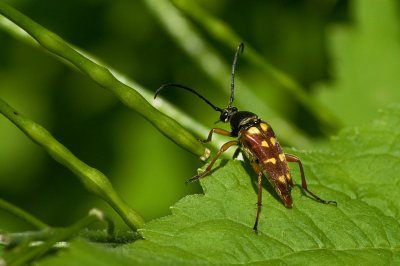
295 159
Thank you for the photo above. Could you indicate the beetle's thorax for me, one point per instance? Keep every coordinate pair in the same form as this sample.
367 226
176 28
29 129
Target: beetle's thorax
243 120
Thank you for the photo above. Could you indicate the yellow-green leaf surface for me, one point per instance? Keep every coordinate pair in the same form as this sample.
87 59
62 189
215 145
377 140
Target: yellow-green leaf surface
359 169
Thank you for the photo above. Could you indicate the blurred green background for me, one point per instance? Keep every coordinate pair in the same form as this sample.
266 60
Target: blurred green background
305 39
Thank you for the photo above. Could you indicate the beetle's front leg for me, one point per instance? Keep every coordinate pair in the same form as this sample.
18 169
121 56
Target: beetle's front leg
208 169
218 131
236 153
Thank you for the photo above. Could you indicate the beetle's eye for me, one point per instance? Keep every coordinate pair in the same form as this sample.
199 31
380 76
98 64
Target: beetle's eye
224 116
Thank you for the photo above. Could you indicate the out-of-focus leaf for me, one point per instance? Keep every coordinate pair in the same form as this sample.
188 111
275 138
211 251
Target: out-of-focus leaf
366 62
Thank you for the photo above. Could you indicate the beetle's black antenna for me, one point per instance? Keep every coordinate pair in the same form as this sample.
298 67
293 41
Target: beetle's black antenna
188 89
239 49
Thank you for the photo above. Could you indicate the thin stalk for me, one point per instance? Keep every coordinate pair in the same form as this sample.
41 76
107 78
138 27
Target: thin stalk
105 78
21 214
94 180
31 253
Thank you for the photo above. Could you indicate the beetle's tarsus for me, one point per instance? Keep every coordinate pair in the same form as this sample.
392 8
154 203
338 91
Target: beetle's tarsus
332 202
194 179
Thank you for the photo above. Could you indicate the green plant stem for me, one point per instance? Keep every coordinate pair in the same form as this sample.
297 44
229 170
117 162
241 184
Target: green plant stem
110 235
94 181
226 35
56 235
102 76
160 103
23 215
190 40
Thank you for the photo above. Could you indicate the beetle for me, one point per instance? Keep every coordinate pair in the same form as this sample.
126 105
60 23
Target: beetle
257 141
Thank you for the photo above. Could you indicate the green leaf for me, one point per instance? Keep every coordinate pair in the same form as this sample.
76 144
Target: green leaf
359 169
366 59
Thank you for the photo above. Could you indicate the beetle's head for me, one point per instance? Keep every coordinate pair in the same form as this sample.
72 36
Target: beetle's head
227 113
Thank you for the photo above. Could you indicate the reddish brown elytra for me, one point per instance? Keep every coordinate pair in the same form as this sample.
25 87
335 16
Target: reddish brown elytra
257 141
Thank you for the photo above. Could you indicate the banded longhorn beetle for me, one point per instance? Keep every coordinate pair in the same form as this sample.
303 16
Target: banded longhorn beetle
257 141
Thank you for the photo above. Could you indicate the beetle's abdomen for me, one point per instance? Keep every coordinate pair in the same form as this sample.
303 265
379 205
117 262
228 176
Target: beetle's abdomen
260 144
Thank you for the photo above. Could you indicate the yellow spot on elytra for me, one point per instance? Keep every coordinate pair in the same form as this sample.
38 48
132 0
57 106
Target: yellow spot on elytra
282 179
264 143
253 130
282 157
264 126
273 140
289 177
270 160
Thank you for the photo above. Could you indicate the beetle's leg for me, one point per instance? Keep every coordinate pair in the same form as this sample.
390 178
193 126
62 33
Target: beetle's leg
208 169
295 159
236 153
219 131
259 194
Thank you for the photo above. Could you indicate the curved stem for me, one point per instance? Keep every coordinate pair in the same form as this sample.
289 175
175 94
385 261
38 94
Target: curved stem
26 254
23 215
103 76
94 180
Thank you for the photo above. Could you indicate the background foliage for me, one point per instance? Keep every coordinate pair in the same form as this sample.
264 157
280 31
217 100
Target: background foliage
344 54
